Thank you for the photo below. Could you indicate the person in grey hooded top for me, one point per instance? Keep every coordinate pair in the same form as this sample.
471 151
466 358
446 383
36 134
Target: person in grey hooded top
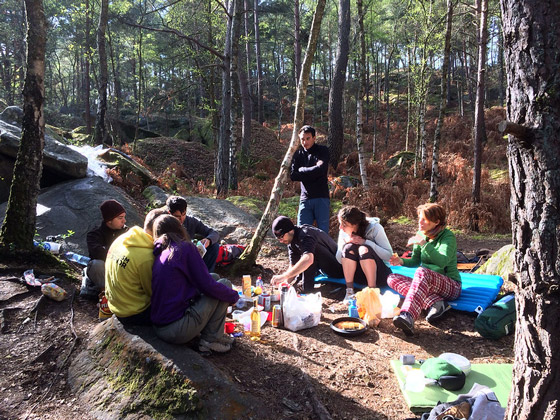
363 248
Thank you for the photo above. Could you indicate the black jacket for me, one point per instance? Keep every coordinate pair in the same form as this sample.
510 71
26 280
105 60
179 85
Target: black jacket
99 240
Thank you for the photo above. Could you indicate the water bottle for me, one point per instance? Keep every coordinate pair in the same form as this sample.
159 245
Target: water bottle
353 309
80 259
259 282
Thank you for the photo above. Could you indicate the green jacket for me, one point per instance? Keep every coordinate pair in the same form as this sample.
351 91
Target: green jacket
438 254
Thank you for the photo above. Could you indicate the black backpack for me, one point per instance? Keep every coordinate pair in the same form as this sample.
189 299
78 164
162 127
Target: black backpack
498 319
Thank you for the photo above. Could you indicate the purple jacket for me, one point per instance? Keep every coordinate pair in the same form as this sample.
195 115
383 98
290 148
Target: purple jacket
176 282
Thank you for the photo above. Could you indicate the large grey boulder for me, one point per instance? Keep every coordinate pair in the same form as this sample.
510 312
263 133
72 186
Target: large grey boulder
60 162
500 264
74 206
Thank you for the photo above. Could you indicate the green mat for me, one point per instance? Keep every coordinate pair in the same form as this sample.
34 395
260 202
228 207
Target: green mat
497 377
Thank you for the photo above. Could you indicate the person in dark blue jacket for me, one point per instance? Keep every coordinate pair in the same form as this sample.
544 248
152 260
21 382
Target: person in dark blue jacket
310 165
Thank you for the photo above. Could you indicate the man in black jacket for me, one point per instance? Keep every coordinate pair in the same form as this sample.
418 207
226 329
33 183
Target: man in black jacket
310 166
98 242
309 250
177 206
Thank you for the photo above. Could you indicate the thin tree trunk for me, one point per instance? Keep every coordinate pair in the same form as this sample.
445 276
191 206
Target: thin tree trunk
335 137
100 136
236 61
260 105
442 106
297 42
243 77
361 92
87 82
249 256
19 224
479 124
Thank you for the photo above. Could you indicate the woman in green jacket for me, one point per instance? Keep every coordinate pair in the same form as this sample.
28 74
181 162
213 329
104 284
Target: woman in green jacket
436 279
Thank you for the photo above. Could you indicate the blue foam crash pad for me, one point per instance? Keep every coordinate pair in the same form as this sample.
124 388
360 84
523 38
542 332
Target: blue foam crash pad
477 290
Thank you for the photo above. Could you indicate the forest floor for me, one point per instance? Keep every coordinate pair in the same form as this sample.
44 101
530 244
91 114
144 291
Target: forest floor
300 375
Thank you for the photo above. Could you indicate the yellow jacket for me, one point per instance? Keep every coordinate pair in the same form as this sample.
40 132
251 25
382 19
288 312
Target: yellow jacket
128 273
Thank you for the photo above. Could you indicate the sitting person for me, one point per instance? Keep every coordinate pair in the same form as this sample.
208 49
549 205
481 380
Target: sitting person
362 249
186 300
177 206
128 273
309 250
436 279
98 242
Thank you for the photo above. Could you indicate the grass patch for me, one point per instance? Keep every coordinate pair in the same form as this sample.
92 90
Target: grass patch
288 206
402 220
498 174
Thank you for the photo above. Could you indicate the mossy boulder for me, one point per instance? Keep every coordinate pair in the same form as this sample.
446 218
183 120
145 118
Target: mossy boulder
500 264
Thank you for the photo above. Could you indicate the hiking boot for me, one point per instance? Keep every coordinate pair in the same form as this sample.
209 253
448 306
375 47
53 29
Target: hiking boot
350 296
88 289
216 346
405 322
437 310
104 311
226 339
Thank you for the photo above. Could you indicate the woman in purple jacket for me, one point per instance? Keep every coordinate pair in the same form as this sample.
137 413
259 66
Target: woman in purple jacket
186 301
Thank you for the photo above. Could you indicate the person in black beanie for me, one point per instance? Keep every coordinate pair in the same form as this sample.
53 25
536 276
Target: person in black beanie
98 242
309 250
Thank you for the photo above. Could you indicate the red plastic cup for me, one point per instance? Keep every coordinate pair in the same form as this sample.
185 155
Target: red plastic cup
229 327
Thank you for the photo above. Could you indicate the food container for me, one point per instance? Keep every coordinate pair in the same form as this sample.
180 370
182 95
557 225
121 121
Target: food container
276 316
348 332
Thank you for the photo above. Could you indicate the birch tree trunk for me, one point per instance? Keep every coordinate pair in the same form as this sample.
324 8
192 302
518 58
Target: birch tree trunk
19 224
479 125
297 42
531 45
361 92
442 105
249 256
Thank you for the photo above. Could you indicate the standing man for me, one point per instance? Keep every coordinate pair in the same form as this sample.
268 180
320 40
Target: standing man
309 250
98 242
177 206
310 165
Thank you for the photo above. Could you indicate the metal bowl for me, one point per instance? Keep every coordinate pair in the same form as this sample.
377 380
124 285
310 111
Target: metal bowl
348 333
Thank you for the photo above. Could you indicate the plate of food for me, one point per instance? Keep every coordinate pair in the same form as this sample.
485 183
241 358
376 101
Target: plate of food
349 326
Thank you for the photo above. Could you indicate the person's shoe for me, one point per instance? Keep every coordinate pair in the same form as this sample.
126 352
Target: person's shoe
350 295
226 339
437 310
88 289
216 346
405 322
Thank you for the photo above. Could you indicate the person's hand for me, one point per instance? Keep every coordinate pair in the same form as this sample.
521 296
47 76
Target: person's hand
205 242
276 279
358 240
416 240
395 260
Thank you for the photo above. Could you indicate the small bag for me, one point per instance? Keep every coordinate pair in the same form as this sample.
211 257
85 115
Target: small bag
228 253
498 319
369 303
302 312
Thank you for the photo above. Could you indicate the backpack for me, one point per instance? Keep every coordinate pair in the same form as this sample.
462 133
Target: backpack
498 319
228 253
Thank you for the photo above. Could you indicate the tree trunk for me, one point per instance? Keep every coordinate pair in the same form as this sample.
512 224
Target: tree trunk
260 105
100 136
87 83
531 45
297 42
335 137
361 92
222 166
386 92
242 76
442 105
236 62
501 75
249 256
479 125
18 228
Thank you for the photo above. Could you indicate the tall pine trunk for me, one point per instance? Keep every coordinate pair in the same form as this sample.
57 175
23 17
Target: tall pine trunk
100 135
335 137
260 104
87 83
532 51
18 228
249 256
442 105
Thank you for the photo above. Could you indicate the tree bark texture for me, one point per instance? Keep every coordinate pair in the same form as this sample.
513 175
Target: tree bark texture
249 256
479 124
260 104
222 159
532 54
87 55
442 104
21 213
243 77
236 57
100 123
336 124
361 93
297 42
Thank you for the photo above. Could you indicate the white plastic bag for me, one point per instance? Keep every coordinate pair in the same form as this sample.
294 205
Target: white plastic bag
389 303
302 312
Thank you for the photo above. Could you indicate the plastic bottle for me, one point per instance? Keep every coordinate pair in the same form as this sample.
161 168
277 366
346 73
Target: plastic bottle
353 309
255 322
259 282
80 259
